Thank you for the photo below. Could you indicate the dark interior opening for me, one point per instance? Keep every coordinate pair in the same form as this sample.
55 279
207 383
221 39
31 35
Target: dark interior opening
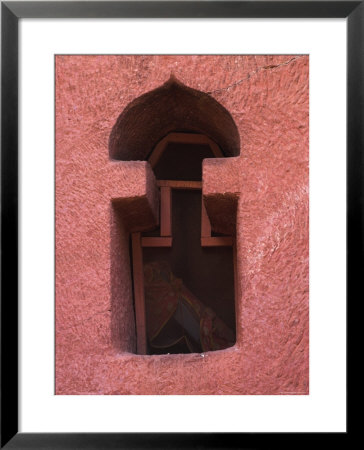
189 289
182 162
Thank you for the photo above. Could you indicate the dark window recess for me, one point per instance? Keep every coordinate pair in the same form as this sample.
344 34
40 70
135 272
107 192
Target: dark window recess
182 162
188 272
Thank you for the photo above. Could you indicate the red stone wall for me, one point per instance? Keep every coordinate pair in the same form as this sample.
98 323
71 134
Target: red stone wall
267 97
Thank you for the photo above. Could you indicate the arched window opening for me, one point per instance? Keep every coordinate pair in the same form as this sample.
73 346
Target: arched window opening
183 270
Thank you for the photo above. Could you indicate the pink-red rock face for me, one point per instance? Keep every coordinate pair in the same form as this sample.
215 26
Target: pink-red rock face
267 97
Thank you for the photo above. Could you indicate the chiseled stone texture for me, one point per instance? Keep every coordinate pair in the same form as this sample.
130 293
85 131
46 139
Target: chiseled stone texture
267 97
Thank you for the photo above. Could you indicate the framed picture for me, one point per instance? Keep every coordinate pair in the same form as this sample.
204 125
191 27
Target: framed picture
127 382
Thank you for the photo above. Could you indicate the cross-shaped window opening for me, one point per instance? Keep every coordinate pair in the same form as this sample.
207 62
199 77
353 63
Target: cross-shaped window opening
183 272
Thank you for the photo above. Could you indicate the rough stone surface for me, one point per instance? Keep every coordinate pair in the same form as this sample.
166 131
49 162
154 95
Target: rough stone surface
267 97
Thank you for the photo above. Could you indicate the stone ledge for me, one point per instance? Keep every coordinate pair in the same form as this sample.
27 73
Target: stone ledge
220 190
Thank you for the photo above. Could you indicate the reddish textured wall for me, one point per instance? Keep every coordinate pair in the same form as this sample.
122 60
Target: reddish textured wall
267 96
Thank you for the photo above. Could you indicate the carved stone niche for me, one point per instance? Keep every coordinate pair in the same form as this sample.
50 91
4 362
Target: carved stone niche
182 225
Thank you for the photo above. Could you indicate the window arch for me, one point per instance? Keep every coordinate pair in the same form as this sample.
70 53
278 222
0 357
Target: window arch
173 107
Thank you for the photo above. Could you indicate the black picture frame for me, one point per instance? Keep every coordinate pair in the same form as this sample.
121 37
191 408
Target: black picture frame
11 12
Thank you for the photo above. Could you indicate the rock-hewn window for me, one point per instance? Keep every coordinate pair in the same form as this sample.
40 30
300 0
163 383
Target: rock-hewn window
182 255
183 272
